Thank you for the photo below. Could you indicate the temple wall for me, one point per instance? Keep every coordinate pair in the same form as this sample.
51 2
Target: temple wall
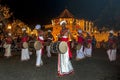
84 25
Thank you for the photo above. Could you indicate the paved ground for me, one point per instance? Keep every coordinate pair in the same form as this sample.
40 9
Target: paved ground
96 68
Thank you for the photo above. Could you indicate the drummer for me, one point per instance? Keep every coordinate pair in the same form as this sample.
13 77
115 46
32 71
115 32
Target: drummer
8 42
79 52
39 53
88 45
25 52
112 49
64 63
49 40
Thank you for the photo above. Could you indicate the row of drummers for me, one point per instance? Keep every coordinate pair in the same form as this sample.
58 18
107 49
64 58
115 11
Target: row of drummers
39 42
53 45
84 46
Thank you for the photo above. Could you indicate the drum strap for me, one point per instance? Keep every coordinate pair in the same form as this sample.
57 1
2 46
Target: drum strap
64 39
70 53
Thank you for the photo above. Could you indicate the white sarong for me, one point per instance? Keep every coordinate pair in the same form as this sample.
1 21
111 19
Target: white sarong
8 50
39 61
64 64
80 54
111 54
88 51
25 54
48 51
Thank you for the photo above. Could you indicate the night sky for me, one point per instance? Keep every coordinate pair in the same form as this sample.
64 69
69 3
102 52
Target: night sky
42 11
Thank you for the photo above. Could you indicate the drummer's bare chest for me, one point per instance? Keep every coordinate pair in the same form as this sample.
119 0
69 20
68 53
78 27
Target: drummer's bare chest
64 33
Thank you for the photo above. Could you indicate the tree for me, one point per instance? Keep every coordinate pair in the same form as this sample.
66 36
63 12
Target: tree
5 14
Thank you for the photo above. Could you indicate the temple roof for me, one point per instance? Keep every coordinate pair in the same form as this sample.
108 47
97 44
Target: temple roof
65 14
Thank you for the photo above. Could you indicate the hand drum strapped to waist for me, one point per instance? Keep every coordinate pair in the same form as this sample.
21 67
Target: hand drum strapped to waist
87 45
5 45
37 45
59 47
25 45
78 46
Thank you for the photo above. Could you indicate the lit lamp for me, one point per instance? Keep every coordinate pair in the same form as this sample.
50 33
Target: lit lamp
9 26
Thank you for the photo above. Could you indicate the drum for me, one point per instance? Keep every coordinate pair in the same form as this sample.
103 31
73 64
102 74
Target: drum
88 46
114 46
78 46
58 47
47 44
63 47
5 45
25 45
37 45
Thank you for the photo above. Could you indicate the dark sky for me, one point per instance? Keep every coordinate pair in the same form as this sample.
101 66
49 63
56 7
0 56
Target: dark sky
42 11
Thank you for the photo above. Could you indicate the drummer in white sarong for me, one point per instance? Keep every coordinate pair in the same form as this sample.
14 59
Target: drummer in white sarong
24 52
64 63
112 48
7 46
88 45
49 41
79 52
39 52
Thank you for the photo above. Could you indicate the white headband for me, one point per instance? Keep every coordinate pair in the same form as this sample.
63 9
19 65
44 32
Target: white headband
111 31
23 29
49 30
79 31
62 22
9 34
38 26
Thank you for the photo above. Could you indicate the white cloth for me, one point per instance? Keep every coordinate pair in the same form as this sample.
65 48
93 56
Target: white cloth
80 53
38 26
88 51
25 54
111 54
8 50
39 59
41 38
79 31
48 51
64 64
63 22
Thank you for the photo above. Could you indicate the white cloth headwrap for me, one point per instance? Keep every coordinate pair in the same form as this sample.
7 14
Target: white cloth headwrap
38 26
9 34
23 29
63 22
49 30
111 31
79 31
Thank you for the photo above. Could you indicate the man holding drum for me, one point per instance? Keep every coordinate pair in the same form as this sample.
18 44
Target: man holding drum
25 52
39 51
49 40
79 52
7 45
88 45
112 49
64 63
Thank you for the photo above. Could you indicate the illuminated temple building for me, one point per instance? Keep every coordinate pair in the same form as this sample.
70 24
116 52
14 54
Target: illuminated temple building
72 23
